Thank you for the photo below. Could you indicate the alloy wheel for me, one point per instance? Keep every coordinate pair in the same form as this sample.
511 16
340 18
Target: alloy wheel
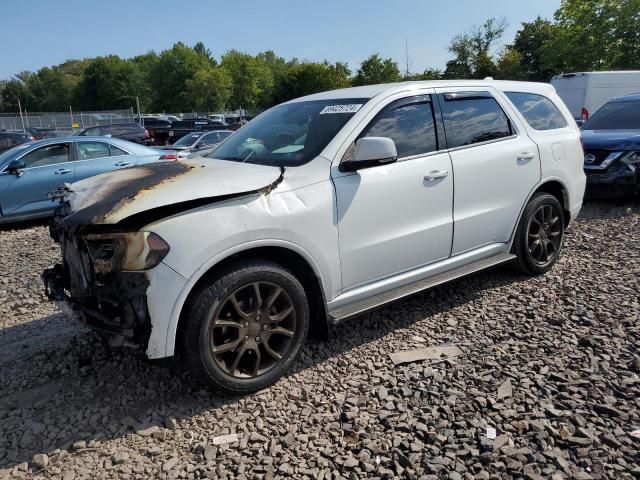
544 235
252 330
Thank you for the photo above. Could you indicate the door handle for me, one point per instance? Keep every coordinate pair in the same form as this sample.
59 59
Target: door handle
62 171
436 174
122 164
526 156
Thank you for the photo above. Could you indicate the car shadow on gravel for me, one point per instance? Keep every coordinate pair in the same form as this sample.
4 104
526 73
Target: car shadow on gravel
24 224
63 389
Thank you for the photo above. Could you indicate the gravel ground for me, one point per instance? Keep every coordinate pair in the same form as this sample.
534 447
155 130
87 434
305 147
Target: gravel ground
551 363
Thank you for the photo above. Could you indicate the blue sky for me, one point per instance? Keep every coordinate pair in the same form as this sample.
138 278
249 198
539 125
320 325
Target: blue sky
39 33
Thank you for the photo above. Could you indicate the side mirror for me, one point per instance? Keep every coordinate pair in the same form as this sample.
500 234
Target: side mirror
371 152
15 167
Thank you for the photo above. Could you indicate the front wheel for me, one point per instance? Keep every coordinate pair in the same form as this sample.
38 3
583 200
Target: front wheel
538 239
244 330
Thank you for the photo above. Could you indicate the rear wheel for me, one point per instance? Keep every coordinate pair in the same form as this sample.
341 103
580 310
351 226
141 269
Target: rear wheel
245 329
538 239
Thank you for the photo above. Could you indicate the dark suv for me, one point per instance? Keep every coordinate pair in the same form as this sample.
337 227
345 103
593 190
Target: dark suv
133 132
158 129
11 139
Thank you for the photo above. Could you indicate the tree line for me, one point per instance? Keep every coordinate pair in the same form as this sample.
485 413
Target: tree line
584 35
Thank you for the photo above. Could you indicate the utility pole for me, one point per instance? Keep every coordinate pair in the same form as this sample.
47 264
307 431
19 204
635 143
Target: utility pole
407 59
140 121
21 117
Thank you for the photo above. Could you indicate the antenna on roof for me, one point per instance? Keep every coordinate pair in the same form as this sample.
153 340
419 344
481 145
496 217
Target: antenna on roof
489 78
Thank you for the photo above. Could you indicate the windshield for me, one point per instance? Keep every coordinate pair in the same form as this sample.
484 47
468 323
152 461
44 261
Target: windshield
189 139
289 134
615 116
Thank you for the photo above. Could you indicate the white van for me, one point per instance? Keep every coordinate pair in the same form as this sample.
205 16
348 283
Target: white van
586 92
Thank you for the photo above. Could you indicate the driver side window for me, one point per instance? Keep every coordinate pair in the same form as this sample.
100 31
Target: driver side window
409 122
49 155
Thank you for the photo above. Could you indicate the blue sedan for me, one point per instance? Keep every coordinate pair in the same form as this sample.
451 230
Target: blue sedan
30 171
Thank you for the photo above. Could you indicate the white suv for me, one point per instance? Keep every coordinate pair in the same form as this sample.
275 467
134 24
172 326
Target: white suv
318 210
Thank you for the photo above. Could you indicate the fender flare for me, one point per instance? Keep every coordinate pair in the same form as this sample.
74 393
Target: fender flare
537 186
178 306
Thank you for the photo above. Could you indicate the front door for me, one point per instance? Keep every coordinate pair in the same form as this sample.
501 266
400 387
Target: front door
495 163
396 217
46 169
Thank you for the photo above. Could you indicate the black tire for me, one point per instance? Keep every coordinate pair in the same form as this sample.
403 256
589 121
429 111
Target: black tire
226 300
538 240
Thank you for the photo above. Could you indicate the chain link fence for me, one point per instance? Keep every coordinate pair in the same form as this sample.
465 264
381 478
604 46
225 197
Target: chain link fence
64 121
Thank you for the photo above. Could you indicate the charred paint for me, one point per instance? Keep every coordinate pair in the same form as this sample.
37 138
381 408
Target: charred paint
121 192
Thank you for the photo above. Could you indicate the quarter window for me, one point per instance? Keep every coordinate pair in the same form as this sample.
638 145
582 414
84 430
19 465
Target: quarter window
538 111
115 151
88 150
49 155
409 123
473 118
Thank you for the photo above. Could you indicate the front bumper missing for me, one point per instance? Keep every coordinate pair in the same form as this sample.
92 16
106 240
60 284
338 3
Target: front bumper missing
114 304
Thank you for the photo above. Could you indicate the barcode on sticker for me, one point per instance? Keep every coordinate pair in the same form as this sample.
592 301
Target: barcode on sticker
351 108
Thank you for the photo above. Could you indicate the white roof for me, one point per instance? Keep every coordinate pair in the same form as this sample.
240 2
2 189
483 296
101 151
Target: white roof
370 91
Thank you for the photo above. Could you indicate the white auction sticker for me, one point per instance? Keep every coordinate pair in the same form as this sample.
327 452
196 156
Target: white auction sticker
351 108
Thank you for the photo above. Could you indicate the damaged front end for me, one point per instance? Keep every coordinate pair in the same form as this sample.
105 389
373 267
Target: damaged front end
108 257
103 279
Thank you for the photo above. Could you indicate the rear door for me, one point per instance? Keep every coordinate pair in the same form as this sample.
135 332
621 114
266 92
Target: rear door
46 169
495 166
95 157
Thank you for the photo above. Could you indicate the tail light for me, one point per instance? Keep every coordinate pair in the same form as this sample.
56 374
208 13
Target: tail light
152 133
584 114
169 156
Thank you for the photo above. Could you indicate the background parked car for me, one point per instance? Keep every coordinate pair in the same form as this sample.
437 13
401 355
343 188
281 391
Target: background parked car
9 139
30 171
158 128
612 148
195 142
39 133
182 127
586 92
133 132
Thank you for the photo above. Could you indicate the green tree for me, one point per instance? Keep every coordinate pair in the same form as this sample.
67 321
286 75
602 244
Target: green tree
307 78
17 89
529 42
109 82
210 89
473 51
594 35
377 70
203 51
252 79
146 65
510 65
173 69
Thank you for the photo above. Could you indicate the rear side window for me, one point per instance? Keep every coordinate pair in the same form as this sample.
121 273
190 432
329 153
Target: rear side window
88 150
473 117
409 123
537 110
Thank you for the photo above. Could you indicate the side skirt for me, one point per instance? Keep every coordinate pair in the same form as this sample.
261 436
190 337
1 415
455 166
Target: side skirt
376 301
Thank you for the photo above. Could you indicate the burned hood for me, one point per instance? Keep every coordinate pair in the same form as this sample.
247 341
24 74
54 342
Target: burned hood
170 187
